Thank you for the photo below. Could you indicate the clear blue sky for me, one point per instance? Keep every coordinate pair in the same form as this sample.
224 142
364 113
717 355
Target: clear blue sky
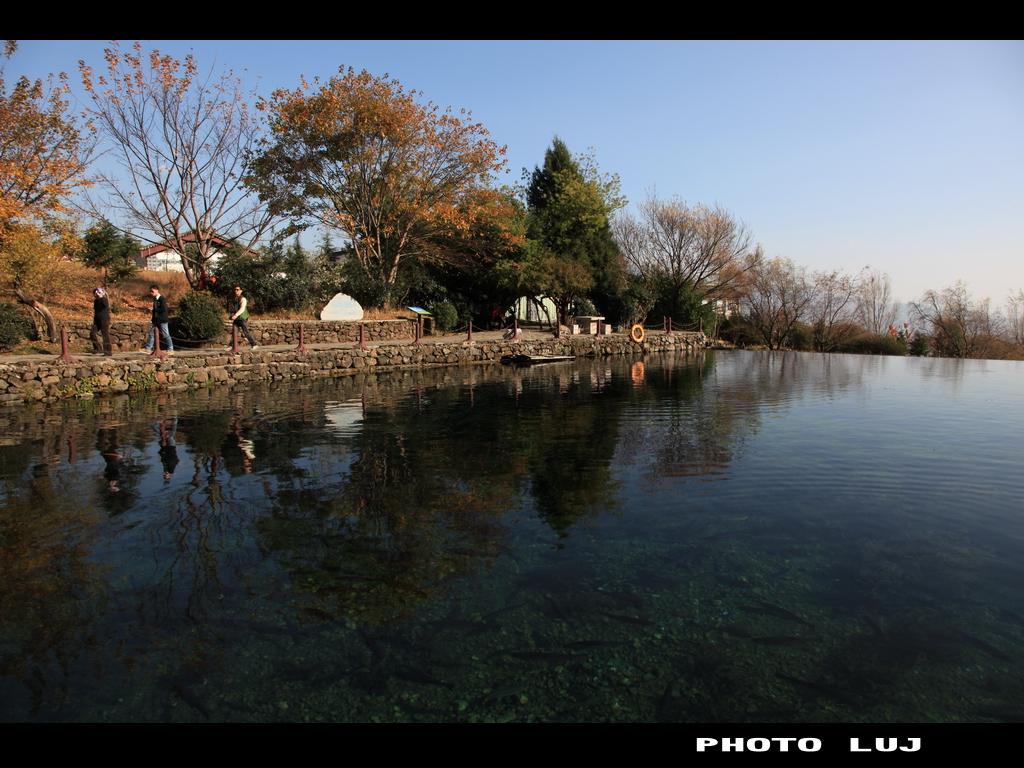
905 156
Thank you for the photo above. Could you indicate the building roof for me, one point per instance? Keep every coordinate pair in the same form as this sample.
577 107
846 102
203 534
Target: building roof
152 250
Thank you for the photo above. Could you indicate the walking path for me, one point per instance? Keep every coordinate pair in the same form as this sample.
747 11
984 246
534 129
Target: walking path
478 337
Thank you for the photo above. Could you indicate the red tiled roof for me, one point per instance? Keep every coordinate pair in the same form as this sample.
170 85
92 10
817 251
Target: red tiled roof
145 253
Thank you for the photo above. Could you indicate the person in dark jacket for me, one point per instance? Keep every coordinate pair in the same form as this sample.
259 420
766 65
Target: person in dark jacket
161 318
101 323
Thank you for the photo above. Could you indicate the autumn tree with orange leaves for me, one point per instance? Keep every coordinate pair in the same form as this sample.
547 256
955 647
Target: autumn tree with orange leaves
399 178
184 142
43 153
43 159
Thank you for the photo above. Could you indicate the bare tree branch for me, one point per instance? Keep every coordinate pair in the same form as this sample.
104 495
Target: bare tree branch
184 146
700 247
875 308
778 296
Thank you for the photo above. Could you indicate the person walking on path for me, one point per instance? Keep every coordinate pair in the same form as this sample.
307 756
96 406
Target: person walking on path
240 316
161 318
101 323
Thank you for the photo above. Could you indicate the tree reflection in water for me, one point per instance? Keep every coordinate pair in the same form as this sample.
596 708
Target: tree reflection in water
364 523
477 535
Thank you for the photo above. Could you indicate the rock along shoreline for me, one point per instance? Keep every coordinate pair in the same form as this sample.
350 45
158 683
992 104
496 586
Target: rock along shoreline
48 379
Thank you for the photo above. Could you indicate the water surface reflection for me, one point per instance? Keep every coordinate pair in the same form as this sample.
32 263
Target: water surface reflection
739 537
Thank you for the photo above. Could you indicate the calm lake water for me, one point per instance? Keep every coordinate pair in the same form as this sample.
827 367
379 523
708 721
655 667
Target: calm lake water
737 536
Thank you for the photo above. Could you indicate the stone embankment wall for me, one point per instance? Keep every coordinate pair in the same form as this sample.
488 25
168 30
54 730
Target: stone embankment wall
49 380
130 335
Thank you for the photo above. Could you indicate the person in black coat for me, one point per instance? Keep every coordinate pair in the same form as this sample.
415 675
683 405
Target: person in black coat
100 323
161 318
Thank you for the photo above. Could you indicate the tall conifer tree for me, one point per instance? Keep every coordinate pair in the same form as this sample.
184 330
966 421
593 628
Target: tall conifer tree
570 205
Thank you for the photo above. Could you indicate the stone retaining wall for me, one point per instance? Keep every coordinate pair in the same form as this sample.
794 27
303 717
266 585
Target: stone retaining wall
49 380
130 335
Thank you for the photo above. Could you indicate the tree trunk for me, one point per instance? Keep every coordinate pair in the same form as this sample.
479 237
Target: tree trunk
51 325
387 297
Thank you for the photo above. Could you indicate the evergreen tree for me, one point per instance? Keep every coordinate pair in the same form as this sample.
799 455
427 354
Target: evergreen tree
570 204
295 252
108 248
326 246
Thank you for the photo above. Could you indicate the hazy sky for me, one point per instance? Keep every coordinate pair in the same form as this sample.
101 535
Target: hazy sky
905 156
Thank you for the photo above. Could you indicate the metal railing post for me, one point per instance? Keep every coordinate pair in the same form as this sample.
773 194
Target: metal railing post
302 340
234 339
65 355
156 344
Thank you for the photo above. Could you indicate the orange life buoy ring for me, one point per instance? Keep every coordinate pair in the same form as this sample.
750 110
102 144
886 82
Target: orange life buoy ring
636 333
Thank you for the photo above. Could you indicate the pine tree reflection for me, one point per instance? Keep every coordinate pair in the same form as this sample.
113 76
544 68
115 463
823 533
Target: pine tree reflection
371 515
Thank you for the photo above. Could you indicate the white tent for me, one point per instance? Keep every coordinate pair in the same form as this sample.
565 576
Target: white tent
535 309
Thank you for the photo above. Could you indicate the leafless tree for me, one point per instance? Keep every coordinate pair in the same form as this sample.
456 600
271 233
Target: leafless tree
876 310
1015 318
778 296
959 325
678 246
831 312
183 143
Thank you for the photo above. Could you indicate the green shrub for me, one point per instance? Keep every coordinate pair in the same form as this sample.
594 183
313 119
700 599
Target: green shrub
14 326
682 303
413 285
446 316
800 337
737 331
919 345
279 279
584 306
200 317
637 301
872 344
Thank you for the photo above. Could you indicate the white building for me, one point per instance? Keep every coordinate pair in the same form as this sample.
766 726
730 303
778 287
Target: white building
163 257
724 307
